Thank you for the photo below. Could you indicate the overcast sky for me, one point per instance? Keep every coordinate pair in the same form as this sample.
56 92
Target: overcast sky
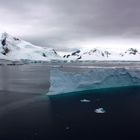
65 24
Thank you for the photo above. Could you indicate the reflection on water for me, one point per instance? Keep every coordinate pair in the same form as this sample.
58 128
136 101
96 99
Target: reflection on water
19 85
65 117
22 114
74 119
27 116
24 78
4 74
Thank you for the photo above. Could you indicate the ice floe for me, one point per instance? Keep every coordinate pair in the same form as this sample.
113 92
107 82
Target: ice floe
85 101
100 110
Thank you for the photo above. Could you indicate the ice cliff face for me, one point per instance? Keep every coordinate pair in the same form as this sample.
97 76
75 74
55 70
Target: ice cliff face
12 48
101 54
65 82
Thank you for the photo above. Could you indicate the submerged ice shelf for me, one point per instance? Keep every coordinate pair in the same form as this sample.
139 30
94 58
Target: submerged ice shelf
65 82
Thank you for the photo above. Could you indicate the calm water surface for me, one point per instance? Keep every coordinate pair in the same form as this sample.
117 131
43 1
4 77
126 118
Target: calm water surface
27 113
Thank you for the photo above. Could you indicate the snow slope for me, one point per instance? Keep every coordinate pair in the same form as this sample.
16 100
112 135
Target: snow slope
12 48
102 54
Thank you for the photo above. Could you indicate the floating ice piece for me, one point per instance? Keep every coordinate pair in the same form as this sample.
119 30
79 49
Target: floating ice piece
100 110
85 101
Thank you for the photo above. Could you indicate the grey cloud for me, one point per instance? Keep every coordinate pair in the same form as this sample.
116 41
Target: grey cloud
59 23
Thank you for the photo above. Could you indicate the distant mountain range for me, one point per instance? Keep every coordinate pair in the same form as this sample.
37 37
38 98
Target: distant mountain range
96 54
15 49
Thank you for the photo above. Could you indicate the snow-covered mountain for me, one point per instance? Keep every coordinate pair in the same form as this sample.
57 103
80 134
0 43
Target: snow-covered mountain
101 54
15 49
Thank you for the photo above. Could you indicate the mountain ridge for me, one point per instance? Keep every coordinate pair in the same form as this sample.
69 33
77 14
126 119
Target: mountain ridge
12 48
15 49
101 54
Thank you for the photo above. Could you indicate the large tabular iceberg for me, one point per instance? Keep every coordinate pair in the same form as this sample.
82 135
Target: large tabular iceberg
65 82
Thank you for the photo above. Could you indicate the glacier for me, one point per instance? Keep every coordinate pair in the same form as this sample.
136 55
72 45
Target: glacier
62 82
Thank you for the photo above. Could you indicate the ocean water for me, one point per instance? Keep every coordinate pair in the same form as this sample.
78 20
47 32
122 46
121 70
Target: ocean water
32 115
78 120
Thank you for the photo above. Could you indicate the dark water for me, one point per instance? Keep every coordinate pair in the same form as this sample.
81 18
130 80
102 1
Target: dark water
31 115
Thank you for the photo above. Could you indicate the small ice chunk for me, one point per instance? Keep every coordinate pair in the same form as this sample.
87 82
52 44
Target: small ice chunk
85 101
100 110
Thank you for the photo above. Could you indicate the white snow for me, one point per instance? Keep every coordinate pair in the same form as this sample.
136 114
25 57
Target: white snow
64 82
100 111
102 54
20 49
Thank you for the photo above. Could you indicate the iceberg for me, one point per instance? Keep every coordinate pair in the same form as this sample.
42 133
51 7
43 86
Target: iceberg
65 82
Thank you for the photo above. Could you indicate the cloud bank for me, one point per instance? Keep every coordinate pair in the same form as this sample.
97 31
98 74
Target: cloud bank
67 24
